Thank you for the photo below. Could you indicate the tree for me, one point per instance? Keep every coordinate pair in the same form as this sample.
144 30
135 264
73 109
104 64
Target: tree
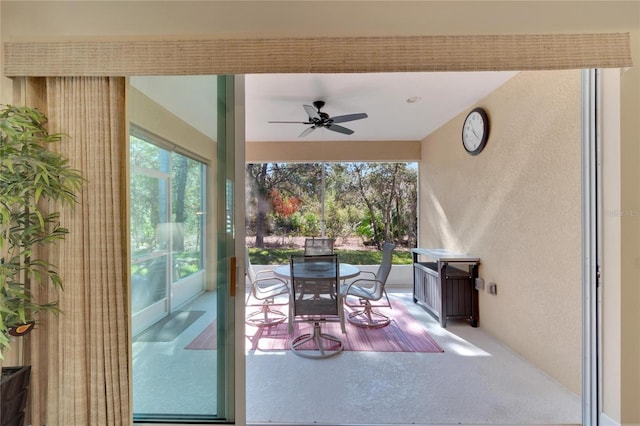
376 184
258 184
180 186
262 179
379 199
389 193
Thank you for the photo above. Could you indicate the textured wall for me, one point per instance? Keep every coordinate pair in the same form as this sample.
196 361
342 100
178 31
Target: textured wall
517 206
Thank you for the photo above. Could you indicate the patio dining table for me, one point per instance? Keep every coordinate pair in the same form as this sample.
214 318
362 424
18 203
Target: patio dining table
346 271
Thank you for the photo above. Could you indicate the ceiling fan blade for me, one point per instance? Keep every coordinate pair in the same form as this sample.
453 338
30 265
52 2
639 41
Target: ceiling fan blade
349 117
293 122
339 129
311 112
307 131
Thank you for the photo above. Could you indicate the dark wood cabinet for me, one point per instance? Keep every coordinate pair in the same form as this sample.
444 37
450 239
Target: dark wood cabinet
446 284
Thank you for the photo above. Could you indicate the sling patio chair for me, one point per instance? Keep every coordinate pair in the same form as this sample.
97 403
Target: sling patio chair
316 246
266 291
316 300
370 294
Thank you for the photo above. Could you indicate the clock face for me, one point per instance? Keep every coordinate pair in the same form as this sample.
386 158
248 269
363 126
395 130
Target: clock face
475 131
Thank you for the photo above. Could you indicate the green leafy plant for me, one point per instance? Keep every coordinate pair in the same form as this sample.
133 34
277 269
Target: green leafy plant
34 182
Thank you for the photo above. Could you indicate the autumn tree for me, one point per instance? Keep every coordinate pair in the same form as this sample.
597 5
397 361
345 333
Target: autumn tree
288 181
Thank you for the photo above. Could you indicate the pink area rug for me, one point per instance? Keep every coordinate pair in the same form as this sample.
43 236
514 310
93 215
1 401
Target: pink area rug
207 340
403 334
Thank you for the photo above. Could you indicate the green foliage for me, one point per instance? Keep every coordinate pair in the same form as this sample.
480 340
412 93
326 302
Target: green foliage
340 219
187 269
297 223
34 181
303 224
311 225
366 229
261 256
353 193
187 263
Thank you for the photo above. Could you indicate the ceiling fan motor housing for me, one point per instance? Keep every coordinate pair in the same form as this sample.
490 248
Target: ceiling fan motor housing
323 116
318 104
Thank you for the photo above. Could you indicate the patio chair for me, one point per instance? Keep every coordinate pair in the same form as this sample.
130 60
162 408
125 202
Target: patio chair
371 294
316 300
265 288
318 246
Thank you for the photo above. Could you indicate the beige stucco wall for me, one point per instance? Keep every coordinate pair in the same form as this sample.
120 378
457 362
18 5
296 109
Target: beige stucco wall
148 115
23 20
517 206
314 151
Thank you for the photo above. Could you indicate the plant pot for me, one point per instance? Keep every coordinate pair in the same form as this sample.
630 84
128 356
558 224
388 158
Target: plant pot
14 389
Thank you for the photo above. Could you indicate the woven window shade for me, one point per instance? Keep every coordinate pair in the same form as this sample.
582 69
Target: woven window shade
318 55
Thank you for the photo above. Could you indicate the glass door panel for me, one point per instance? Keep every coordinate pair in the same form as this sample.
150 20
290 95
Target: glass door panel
180 374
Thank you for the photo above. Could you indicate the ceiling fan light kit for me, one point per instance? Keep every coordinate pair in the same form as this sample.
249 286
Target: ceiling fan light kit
320 119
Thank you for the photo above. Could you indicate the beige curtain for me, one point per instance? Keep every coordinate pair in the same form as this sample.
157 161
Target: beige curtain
81 358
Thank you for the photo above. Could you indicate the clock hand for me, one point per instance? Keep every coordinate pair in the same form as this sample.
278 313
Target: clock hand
473 129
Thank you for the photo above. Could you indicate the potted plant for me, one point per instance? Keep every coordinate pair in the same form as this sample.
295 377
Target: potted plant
35 182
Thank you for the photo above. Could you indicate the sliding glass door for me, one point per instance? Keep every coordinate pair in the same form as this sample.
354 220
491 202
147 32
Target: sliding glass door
167 230
180 298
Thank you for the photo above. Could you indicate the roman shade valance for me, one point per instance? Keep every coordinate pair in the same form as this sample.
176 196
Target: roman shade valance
318 55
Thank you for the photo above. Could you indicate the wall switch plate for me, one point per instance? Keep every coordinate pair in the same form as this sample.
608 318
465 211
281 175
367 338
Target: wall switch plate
493 288
479 284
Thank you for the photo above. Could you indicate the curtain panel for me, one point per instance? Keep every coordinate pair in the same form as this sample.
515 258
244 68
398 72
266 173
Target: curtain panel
81 358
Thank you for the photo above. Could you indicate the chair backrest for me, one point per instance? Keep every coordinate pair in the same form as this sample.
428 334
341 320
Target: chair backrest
385 266
314 283
318 246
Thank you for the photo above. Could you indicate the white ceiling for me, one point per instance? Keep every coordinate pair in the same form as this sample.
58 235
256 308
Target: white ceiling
279 97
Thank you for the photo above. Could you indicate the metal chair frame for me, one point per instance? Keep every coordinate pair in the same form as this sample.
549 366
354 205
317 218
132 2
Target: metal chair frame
265 288
369 291
318 246
316 300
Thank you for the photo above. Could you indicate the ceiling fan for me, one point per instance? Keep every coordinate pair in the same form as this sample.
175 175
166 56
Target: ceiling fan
318 119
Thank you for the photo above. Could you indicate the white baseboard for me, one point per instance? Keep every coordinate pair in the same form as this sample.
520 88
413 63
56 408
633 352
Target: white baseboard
607 421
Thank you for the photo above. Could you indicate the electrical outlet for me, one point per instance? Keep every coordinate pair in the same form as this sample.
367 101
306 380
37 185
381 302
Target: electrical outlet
492 289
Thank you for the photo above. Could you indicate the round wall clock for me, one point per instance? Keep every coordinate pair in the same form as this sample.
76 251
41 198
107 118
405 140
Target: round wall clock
475 131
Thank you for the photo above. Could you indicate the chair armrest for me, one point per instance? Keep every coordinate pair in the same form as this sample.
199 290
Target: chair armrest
359 283
367 272
358 278
271 279
264 271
